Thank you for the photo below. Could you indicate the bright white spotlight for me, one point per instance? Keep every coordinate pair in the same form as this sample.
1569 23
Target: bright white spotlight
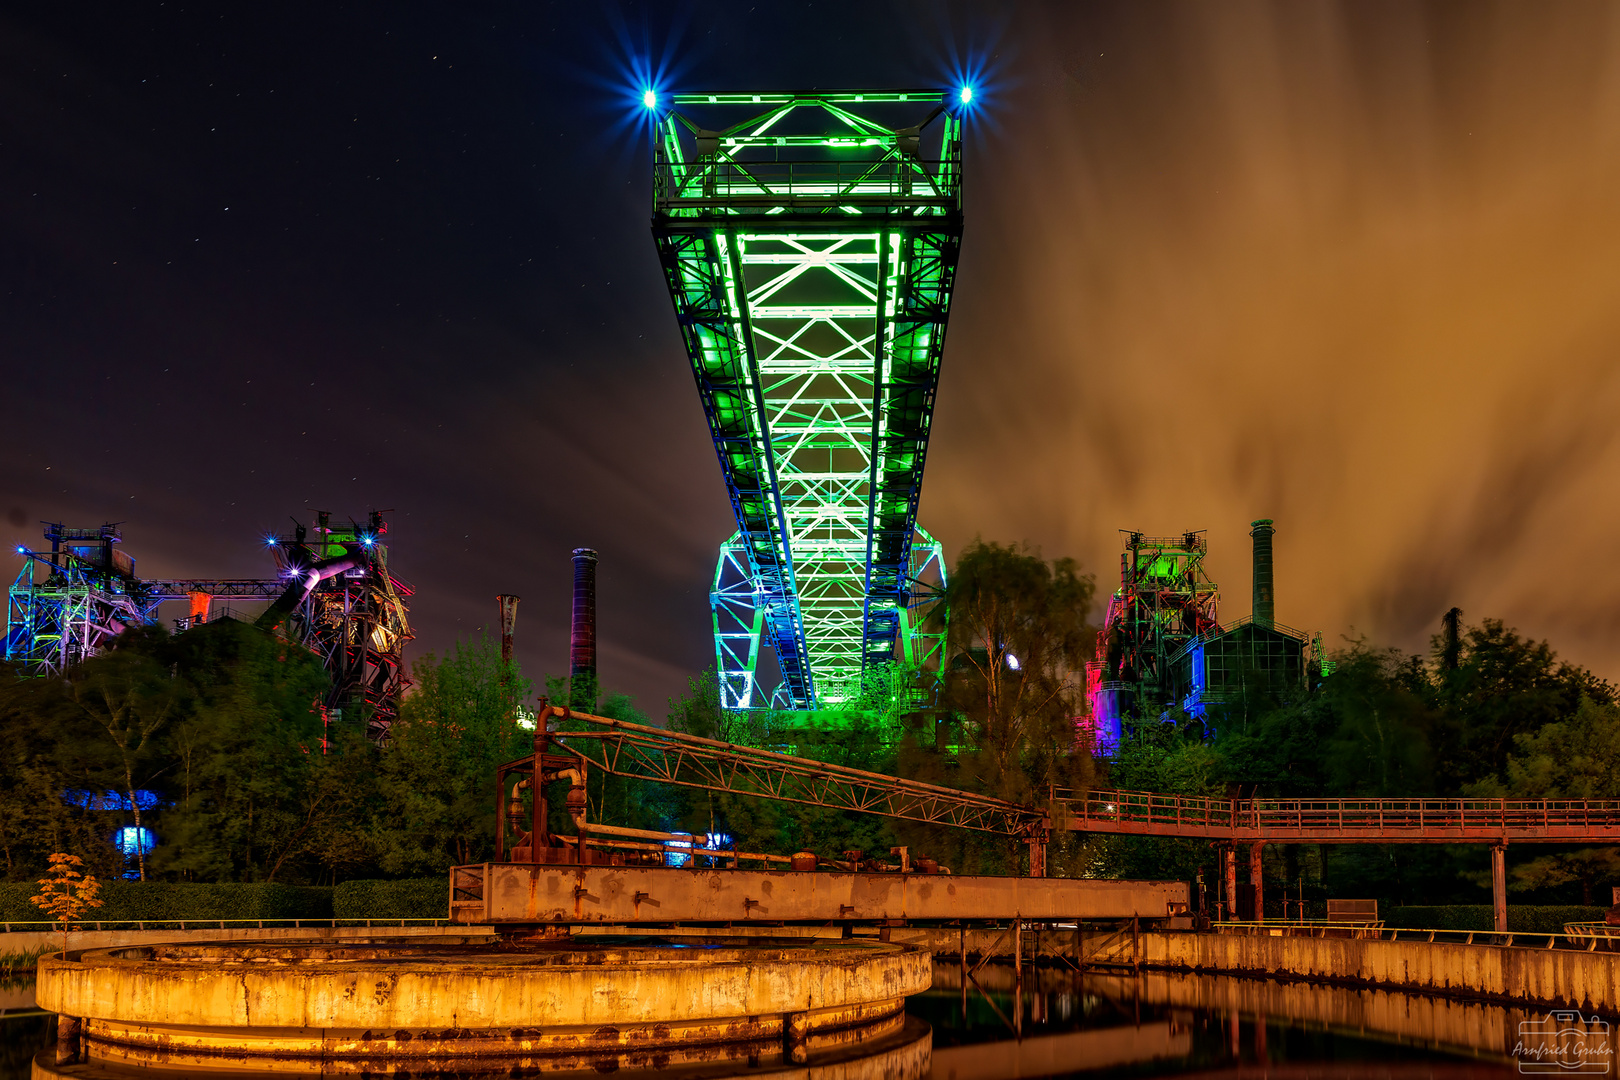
966 94
649 99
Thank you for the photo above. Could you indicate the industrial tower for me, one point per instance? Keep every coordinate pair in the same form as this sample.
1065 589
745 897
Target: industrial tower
1163 649
334 595
810 242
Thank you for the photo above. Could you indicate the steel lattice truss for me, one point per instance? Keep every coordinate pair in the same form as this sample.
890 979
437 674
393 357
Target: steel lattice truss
67 603
810 250
673 758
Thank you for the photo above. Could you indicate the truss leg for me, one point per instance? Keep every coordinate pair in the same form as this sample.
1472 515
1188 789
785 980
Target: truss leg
738 624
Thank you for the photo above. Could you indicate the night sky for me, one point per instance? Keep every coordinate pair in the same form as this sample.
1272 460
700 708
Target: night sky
1353 267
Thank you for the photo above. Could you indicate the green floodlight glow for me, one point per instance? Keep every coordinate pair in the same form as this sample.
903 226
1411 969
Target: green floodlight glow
649 99
809 242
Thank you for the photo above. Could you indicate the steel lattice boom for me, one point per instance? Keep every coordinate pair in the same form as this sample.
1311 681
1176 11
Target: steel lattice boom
670 757
810 242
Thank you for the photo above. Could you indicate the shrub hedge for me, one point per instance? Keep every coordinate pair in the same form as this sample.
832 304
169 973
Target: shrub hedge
1522 918
160 901
414 898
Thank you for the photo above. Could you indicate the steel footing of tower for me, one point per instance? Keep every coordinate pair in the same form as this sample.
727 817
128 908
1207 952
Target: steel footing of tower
810 244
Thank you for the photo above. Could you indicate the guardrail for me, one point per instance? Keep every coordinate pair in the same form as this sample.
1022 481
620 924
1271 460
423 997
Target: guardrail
1578 937
1342 820
81 925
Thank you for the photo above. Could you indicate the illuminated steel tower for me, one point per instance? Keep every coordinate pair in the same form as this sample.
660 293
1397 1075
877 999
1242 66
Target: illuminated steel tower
344 605
810 243
1164 601
69 602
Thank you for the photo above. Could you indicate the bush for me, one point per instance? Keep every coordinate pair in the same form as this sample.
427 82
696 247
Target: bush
1522 918
166 901
414 898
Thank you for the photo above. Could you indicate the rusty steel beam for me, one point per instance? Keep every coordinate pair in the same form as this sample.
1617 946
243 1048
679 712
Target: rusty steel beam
671 757
540 893
1343 821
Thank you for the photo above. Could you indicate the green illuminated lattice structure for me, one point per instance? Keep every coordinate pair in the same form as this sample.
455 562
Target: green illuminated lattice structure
810 244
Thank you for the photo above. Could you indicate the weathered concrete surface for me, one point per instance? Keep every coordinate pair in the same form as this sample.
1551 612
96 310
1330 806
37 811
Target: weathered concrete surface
1053 1055
458 985
528 892
1545 978
26 942
902 1054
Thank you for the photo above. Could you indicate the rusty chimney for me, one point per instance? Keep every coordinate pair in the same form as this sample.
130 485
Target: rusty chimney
508 605
1265 595
582 641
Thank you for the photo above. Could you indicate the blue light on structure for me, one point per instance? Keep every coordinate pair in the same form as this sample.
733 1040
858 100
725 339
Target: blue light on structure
110 800
367 540
966 94
677 858
271 541
132 841
650 99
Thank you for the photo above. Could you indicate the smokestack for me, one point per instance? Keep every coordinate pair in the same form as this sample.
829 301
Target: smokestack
1265 596
508 605
582 641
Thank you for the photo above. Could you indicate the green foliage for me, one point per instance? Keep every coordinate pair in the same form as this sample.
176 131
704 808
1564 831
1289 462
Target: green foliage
159 901
1522 919
251 789
416 898
436 781
1574 757
1017 638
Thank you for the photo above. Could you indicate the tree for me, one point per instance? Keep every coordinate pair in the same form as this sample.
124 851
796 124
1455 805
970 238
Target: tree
67 894
129 695
244 756
1577 758
1016 643
436 780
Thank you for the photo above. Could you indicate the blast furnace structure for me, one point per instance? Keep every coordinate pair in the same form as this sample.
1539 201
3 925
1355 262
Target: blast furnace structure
1163 648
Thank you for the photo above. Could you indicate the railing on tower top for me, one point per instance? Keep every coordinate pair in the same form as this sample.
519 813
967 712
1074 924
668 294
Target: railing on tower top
1340 820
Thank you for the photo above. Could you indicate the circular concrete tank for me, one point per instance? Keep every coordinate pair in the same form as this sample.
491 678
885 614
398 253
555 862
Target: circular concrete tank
462 1005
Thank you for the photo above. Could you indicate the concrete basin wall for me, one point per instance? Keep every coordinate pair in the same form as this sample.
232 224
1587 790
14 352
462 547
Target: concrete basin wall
196 986
1547 978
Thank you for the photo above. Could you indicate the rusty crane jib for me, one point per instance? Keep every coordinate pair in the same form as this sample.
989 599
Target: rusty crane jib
672 757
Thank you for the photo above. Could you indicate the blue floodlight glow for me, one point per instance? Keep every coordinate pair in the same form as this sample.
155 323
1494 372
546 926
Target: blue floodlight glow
649 99
367 539
966 95
22 551
270 541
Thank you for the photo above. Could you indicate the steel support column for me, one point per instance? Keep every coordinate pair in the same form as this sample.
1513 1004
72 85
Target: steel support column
1257 873
1499 886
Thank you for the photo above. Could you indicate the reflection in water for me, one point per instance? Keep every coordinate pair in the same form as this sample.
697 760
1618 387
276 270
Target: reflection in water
1066 1023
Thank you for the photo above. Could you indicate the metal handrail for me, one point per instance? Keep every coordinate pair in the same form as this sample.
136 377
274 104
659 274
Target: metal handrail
1200 814
1578 940
81 925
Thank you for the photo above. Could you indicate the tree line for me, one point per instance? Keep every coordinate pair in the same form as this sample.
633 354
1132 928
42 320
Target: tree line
213 740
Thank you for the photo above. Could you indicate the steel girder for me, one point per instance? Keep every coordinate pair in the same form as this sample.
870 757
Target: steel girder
811 275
